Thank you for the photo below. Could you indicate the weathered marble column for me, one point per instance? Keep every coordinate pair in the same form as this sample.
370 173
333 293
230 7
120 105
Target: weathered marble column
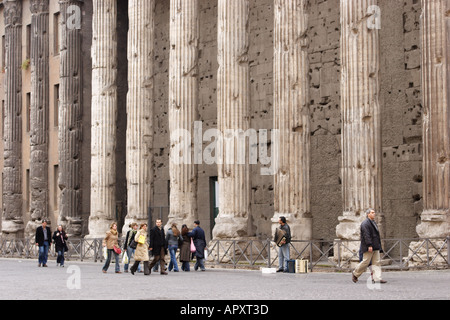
104 117
233 100
12 217
361 128
140 109
435 23
291 117
39 113
183 102
70 117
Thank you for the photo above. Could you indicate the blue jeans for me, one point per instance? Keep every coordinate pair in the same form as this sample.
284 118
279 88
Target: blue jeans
173 259
108 260
185 266
283 257
43 253
60 258
199 263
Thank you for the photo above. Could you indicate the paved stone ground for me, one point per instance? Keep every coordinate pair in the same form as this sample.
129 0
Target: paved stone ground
22 279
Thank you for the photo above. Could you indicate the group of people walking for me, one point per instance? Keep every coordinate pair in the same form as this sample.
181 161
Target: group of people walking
141 246
44 238
193 243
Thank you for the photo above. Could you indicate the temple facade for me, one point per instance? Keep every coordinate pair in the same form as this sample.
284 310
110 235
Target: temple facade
231 112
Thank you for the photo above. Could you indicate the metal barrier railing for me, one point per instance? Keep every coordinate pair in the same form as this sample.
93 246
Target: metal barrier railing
334 255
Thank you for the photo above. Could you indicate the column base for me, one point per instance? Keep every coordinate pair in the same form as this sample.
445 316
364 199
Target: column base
349 231
128 221
349 227
72 226
434 224
230 227
13 228
98 228
30 229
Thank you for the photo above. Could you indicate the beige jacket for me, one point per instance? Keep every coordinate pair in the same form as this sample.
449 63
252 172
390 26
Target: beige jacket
111 239
141 253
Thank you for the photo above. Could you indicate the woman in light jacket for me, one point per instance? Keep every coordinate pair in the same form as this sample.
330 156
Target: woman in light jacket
111 240
141 253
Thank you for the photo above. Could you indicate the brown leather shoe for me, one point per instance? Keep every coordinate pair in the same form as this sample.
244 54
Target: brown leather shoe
164 273
354 278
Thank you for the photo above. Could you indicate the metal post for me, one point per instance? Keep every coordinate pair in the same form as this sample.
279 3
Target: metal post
339 253
234 253
448 251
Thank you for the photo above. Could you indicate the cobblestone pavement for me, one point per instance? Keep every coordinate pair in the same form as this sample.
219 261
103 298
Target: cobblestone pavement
22 279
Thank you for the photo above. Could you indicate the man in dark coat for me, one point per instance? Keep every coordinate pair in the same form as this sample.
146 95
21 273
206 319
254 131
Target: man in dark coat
158 246
198 236
43 240
371 248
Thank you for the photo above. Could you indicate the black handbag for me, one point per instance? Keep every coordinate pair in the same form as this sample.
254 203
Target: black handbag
133 244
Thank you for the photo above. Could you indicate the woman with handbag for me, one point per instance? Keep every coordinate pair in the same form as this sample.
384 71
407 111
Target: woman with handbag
111 242
60 238
141 253
185 249
130 250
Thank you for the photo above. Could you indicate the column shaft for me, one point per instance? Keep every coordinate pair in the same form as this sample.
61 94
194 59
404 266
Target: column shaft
435 219
291 116
39 113
140 109
233 95
183 101
104 116
70 119
361 127
12 218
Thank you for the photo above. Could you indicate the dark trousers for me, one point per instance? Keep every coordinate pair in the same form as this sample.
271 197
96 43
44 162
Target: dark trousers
135 266
159 258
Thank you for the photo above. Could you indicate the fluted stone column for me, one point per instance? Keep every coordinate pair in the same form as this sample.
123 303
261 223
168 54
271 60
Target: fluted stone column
233 98
140 109
104 116
183 101
39 113
291 117
70 118
361 129
435 24
12 217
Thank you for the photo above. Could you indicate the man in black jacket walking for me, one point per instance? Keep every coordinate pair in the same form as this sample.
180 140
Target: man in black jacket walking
43 240
371 248
158 246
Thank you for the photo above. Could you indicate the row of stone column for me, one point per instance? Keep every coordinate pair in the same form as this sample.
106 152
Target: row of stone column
70 122
361 137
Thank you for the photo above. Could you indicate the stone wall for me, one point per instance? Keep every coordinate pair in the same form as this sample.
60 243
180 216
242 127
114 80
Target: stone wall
401 102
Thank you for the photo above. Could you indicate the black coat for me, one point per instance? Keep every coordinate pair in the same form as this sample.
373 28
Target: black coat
40 236
157 241
198 235
370 236
60 242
